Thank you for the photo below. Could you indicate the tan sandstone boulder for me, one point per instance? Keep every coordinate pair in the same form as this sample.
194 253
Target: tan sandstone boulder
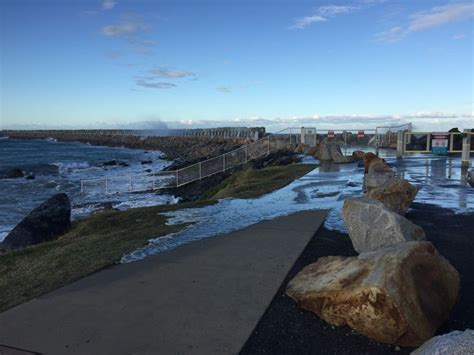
378 165
399 295
372 225
368 157
396 194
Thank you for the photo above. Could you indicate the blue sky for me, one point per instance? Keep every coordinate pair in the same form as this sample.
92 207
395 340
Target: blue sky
119 63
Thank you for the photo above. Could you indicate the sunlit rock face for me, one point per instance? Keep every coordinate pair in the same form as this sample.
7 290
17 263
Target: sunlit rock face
372 225
375 180
378 165
398 295
396 194
455 342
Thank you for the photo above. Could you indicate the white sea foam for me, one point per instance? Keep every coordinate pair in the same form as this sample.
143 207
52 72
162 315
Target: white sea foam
72 166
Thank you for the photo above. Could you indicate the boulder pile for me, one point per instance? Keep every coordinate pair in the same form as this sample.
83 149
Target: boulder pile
399 289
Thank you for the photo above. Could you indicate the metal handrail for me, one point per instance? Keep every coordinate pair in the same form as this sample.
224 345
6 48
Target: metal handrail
198 166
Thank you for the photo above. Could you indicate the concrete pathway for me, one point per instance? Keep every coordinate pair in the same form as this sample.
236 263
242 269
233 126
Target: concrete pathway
202 298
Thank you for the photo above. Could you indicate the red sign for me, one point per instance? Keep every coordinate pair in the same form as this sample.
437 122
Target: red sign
360 134
440 135
331 134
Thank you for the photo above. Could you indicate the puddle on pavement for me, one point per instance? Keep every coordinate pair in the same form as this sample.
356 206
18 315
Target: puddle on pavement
439 179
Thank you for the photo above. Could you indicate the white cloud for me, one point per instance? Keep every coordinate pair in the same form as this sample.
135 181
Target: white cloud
149 82
393 34
425 20
302 22
124 28
131 29
331 10
431 121
171 73
108 4
322 14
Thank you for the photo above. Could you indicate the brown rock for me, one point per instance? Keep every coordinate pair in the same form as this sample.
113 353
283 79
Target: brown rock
300 148
378 165
396 194
399 295
358 155
312 151
368 157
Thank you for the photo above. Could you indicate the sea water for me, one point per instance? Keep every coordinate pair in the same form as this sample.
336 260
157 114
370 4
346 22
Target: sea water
60 167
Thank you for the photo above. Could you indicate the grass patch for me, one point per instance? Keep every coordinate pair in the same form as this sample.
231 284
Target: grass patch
92 244
102 239
250 183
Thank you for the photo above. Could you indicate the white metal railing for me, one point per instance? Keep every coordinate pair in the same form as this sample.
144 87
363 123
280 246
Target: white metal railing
191 173
386 136
224 162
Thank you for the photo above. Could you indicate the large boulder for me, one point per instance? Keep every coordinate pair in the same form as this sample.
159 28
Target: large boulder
379 165
48 221
375 180
358 155
396 194
455 342
372 225
398 295
368 157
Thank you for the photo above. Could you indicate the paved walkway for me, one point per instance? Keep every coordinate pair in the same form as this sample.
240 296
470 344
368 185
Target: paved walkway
203 298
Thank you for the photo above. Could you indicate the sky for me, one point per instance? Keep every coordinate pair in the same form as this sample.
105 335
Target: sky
326 64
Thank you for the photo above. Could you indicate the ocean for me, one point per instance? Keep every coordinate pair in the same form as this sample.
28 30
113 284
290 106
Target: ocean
60 167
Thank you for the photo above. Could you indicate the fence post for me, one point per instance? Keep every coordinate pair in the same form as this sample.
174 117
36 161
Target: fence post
428 140
82 187
106 185
223 162
466 149
268 145
177 178
246 153
400 143
200 171
130 181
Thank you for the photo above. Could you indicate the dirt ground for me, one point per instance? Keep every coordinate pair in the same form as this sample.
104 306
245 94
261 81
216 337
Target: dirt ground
287 329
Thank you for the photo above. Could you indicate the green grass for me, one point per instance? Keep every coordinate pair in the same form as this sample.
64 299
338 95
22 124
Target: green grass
253 183
102 239
92 244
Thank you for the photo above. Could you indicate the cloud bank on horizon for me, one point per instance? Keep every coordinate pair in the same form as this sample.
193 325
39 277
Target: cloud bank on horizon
109 63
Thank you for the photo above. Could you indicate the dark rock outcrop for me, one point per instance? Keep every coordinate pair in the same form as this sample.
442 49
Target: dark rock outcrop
46 222
13 173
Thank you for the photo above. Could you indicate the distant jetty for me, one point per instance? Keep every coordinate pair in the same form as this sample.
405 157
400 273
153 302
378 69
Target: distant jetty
184 145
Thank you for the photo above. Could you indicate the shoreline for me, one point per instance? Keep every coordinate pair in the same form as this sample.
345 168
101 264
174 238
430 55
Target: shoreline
178 148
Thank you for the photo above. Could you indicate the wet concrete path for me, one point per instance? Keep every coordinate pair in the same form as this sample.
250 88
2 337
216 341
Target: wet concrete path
202 298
